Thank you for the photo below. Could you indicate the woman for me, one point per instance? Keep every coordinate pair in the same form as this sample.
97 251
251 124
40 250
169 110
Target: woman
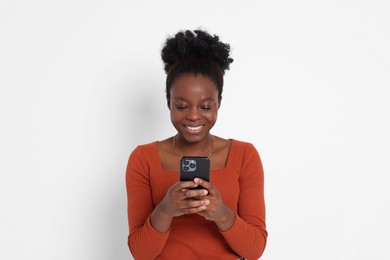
225 218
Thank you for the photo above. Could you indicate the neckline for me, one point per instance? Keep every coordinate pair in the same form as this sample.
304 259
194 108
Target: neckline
156 153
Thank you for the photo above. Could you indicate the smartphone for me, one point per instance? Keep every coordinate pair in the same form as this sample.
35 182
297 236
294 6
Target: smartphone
192 167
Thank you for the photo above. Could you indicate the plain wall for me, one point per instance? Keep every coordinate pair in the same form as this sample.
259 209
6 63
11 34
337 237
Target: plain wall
82 84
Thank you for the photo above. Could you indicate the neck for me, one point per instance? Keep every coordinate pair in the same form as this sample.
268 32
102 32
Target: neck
204 147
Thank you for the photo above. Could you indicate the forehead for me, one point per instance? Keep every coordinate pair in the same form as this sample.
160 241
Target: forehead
193 86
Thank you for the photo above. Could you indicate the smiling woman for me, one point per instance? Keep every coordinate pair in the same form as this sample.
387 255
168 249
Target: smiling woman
194 108
225 218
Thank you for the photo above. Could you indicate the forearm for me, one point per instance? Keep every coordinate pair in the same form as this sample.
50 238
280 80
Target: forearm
159 220
146 237
247 240
227 219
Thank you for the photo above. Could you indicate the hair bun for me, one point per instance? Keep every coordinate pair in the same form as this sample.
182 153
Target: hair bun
198 43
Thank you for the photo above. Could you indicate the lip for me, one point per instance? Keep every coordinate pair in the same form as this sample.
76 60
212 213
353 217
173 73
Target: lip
193 129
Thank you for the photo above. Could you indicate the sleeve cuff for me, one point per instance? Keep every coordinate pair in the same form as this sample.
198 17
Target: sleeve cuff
234 227
153 232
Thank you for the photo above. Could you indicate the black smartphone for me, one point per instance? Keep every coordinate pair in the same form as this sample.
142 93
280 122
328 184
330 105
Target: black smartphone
192 167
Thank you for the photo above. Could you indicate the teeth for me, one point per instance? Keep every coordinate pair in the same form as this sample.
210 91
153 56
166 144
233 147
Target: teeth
194 128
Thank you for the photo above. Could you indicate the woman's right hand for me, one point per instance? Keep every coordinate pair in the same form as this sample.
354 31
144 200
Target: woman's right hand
181 199
178 200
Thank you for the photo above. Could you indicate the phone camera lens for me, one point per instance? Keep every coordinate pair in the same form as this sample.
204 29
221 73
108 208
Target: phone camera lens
186 168
186 162
192 165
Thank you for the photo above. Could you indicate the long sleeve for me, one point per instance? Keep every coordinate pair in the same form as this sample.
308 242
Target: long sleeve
248 235
140 206
240 184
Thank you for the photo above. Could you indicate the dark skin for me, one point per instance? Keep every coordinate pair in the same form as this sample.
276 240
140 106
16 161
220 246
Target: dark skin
194 108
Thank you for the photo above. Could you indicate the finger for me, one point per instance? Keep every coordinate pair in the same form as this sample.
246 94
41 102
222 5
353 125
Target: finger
205 184
196 203
184 185
193 210
194 193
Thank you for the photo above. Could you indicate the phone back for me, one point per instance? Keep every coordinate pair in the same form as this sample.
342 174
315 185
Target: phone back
192 167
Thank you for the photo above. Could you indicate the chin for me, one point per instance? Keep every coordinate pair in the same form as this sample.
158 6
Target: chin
192 137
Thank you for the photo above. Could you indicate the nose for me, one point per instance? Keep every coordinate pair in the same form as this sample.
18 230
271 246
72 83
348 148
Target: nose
193 114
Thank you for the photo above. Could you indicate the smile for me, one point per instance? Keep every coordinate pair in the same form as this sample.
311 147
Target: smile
194 128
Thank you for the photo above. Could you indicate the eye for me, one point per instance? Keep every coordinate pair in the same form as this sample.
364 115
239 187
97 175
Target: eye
205 108
181 107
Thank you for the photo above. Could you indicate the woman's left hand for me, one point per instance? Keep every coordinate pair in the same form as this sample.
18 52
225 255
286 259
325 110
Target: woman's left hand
216 211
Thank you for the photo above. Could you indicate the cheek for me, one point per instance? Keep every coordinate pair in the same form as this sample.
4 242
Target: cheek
212 116
174 117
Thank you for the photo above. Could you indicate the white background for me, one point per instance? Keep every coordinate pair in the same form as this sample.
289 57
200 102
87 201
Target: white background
82 84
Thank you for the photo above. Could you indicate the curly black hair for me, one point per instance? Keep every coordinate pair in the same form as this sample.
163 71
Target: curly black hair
195 52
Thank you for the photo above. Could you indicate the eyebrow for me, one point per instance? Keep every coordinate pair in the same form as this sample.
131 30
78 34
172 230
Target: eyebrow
202 100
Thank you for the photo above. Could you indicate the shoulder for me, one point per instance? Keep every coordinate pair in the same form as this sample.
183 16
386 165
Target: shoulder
145 147
243 146
245 153
143 150
247 159
142 157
